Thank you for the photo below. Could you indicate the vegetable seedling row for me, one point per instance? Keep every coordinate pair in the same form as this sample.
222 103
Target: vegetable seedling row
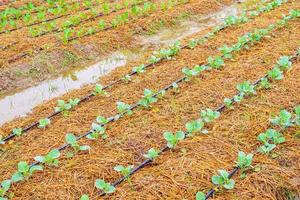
34 166
219 109
206 37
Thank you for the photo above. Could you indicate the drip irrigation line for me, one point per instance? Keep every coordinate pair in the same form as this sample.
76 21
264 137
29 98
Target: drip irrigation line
220 109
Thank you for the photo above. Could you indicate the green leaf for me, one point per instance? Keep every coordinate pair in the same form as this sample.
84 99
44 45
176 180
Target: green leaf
217 180
16 177
180 135
84 197
229 185
200 196
23 167
84 148
70 138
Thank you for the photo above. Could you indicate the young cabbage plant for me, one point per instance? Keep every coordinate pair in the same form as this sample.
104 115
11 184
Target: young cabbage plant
284 119
284 63
17 131
99 90
102 120
264 83
62 106
223 180
297 118
50 159
72 141
275 74
193 43
173 139
97 131
125 171
209 115
216 63
107 188
139 69
246 88
228 103
152 153
44 122
175 87
126 78
24 171
200 196
194 126
269 139
226 51
147 99
124 108
5 186
244 160
84 197
189 73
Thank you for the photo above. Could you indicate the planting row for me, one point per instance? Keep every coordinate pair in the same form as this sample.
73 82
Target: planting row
269 139
98 129
159 56
207 116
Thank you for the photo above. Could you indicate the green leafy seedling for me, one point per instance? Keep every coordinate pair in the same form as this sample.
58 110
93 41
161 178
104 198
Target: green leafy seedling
284 119
50 159
147 99
152 153
5 186
223 180
24 171
172 139
97 131
246 88
194 126
72 141
284 63
125 171
124 108
107 188
209 115
44 122
84 197
99 90
200 196
244 160
17 131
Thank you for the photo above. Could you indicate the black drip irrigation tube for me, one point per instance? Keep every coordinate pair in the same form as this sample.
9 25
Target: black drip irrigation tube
220 109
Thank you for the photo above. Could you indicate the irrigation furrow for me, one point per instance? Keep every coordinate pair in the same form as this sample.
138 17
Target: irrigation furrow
86 98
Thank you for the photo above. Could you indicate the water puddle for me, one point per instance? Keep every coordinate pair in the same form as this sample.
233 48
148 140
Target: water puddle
187 28
21 103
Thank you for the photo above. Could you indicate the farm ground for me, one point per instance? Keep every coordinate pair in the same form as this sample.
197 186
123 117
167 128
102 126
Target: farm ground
180 173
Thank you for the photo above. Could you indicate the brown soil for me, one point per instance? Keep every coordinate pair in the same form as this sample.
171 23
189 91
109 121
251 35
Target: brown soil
187 169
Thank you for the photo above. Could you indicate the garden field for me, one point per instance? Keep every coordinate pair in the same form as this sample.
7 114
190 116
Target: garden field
161 99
